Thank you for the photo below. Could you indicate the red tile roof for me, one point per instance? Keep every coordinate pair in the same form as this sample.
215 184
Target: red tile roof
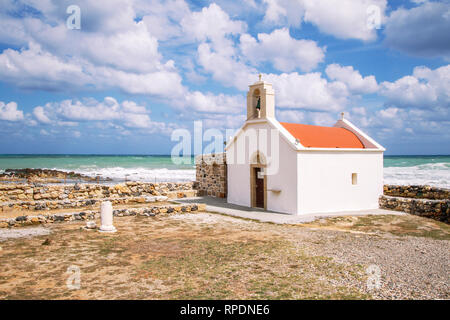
323 137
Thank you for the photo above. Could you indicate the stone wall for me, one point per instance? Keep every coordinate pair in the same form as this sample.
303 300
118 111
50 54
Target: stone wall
211 175
417 192
425 201
151 211
16 192
43 197
435 209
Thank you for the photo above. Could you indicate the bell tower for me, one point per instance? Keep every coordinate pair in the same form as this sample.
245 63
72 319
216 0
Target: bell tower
260 100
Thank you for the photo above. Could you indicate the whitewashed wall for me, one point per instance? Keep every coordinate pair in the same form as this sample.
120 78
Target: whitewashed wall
325 180
285 201
285 180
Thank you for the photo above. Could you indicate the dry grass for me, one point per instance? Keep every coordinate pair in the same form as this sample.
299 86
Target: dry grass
200 257
399 225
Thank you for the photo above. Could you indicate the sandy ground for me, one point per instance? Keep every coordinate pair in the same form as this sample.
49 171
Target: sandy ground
208 256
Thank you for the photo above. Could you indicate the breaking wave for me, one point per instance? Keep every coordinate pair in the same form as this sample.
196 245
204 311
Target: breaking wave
138 174
434 174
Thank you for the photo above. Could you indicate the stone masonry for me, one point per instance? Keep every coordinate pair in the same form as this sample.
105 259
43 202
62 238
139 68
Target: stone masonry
417 192
425 201
211 175
47 197
150 211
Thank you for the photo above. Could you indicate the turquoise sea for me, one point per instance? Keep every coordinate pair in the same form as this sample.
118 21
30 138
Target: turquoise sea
433 170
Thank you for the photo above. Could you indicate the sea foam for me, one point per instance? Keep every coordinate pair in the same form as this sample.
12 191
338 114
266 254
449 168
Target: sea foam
138 174
434 174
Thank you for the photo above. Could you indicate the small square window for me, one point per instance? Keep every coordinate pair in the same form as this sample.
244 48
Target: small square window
354 178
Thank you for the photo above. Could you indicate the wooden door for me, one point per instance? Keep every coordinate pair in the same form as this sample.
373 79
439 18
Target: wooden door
259 188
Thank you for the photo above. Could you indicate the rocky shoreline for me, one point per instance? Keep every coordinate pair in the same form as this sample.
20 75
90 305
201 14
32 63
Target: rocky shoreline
45 176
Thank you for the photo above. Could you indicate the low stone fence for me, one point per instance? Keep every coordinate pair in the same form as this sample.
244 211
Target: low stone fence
22 221
37 192
77 203
211 175
435 209
425 201
416 192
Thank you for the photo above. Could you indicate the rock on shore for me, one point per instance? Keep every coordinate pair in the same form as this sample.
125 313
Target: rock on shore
43 175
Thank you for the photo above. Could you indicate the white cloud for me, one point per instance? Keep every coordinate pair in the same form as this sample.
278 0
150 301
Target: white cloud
281 12
211 23
425 88
212 28
40 115
346 19
133 51
308 117
9 112
420 31
223 121
132 107
225 68
308 91
292 116
67 123
119 48
34 68
90 110
163 18
127 114
109 35
210 103
285 52
352 78
389 113
111 51
69 113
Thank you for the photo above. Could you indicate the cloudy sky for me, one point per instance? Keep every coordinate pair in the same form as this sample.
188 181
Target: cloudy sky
138 69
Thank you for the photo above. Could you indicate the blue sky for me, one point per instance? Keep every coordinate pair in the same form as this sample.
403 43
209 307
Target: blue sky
137 70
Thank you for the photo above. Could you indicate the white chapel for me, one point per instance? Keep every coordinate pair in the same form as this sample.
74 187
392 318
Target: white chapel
297 168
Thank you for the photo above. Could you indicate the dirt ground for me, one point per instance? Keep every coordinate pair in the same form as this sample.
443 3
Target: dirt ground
211 256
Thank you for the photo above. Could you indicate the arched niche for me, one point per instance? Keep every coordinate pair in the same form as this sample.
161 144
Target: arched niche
258 158
255 97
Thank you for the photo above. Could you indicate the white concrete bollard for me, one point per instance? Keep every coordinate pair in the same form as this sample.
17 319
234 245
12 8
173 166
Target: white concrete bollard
106 217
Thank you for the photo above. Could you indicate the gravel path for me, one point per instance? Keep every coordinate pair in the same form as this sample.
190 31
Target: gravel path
410 267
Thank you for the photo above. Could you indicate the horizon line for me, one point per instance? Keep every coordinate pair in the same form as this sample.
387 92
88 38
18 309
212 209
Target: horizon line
168 155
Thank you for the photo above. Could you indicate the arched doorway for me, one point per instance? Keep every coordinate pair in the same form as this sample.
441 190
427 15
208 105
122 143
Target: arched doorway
258 181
